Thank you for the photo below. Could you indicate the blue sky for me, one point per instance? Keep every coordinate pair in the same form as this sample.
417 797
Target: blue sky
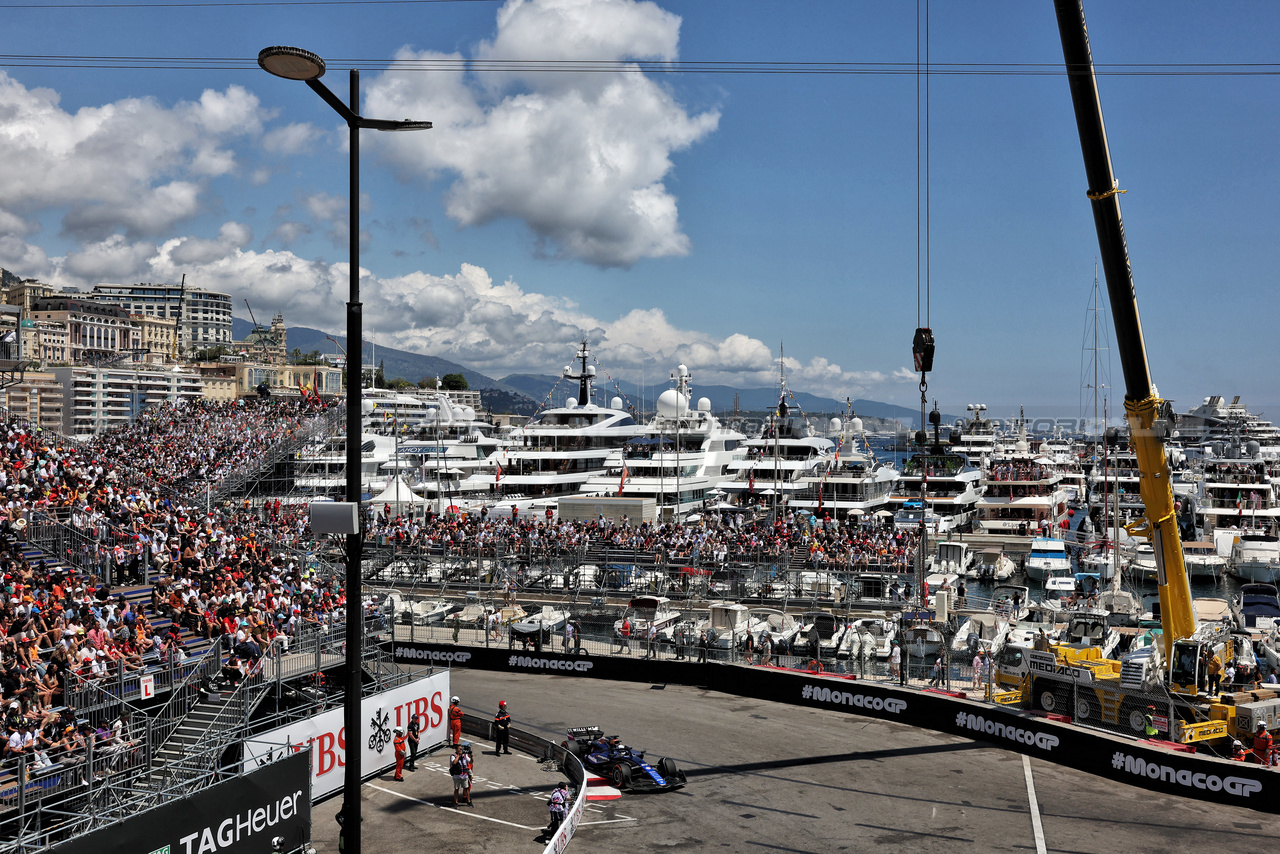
701 215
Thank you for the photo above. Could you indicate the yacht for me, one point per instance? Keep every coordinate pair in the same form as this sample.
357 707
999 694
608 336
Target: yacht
1215 419
1060 586
856 483
991 565
547 621
985 631
648 611
1203 561
950 557
1113 487
1256 557
1026 492
976 435
874 638
1090 629
678 458
781 626
778 466
1047 556
558 450
727 622
1041 617
1237 487
1142 567
940 486
1256 608
320 470
834 635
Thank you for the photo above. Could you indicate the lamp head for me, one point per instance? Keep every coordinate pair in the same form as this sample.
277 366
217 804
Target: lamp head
291 63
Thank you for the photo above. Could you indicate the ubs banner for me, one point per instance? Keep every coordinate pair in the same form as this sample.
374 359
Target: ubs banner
240 816
427 699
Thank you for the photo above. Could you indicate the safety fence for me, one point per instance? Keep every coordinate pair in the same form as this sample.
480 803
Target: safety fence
587 570
594 630
1144 763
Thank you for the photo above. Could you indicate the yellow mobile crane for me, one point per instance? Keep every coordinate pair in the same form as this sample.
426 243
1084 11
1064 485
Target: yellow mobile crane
1117 692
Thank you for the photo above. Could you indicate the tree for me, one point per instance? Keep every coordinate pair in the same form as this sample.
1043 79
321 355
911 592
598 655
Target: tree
380 376
210 354
427 382
454 382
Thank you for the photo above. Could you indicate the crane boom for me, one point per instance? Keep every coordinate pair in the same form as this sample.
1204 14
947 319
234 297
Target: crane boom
1142 405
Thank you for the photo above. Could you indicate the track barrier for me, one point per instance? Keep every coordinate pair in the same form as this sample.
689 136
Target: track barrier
1138 763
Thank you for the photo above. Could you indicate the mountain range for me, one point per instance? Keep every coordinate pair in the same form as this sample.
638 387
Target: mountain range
536 387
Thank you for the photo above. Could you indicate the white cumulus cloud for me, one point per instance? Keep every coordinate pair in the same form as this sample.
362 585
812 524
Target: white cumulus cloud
580 157
133 166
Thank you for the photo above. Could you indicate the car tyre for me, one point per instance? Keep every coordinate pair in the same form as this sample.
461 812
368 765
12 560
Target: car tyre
668 769
620 776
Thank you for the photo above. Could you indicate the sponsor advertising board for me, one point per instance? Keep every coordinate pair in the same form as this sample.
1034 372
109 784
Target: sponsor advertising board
239 816
427 699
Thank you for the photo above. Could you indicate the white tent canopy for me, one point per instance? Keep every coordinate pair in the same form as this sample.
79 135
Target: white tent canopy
398 491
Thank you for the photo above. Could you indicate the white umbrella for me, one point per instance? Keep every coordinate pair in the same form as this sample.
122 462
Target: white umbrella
857 511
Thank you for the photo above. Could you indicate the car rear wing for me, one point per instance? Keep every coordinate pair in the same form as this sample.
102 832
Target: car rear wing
580 733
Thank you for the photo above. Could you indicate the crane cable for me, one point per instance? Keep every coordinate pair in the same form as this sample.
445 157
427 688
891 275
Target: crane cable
922 346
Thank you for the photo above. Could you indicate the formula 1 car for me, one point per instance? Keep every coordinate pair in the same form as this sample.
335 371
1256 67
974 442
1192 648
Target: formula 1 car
623 767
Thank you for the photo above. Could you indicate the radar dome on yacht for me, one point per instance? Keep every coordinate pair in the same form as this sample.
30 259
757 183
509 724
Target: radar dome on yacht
682 371
367 406
567 370
432 412
591 370
615 403
468 413
570 403
855 425
672 403
1021 446
1253 448
704 404
834 425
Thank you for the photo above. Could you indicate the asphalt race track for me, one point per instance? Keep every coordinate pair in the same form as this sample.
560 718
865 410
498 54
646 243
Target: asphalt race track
770 777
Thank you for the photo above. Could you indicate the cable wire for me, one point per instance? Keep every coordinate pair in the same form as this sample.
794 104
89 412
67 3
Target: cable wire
643 66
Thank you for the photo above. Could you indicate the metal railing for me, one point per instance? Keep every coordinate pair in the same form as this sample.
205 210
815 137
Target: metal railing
236 482
91 697
76 793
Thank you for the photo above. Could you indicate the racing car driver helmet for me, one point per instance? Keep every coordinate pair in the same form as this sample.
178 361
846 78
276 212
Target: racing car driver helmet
454 700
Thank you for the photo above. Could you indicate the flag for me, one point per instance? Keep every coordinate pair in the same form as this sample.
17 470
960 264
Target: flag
751 481
497 474
623 481
782 406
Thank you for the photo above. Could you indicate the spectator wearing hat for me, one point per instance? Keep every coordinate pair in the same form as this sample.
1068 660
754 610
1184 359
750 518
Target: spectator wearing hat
414 736
502 730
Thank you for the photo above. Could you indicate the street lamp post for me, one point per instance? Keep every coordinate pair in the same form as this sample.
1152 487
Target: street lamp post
294 63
